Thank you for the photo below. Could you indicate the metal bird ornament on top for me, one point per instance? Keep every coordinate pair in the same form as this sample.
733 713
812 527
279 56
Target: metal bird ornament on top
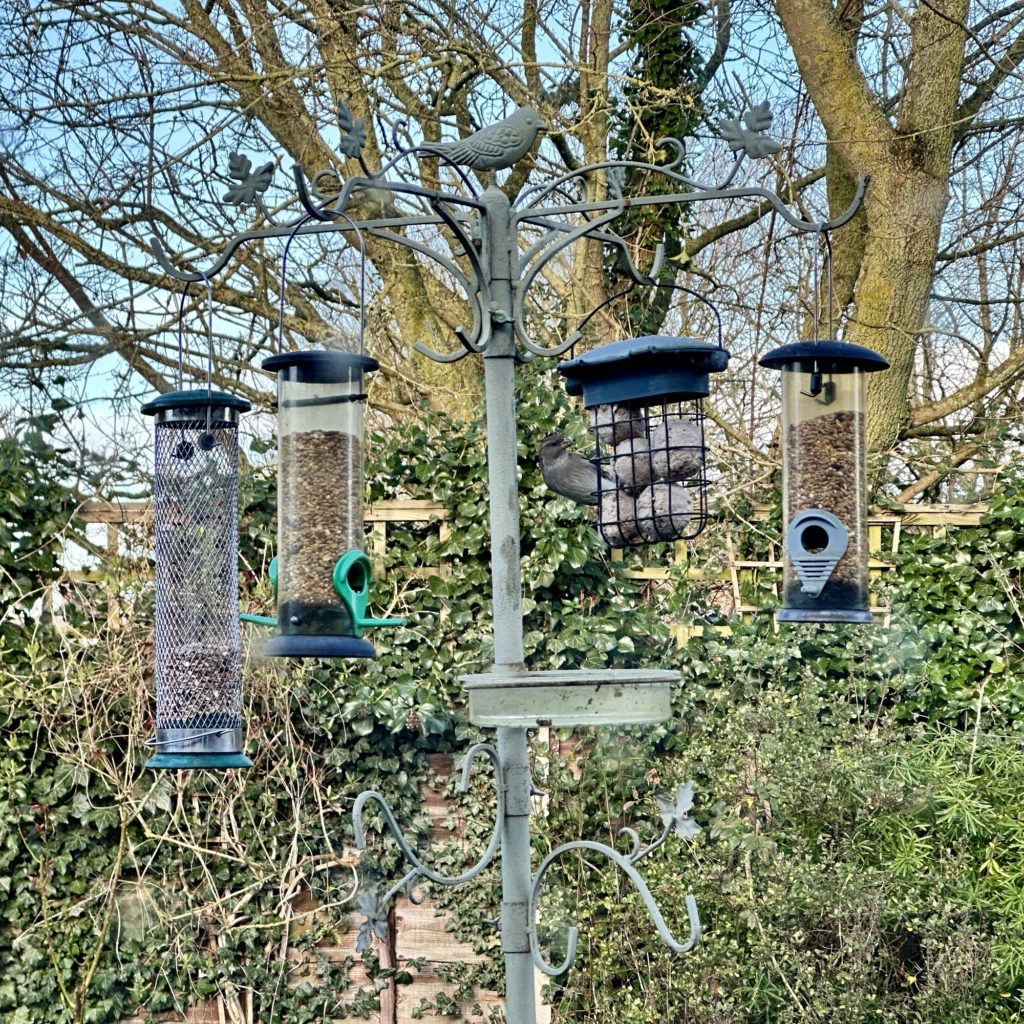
494 147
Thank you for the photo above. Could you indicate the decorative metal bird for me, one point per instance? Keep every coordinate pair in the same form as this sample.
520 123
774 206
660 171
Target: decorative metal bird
495 147
570 474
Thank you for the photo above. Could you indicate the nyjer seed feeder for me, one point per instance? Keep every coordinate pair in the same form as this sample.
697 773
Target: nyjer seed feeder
322 575
198 642
644 400
824 479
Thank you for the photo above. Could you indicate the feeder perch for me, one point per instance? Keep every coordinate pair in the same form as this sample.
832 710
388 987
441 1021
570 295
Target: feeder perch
198 643
824 479
644 399
322 573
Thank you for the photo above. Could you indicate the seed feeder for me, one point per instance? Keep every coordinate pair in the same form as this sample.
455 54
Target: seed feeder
824 479
322 574
198 643
644 399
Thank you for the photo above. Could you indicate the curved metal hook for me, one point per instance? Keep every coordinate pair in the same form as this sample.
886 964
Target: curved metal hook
673 145
192 277
626 865
312 210
542 215
443 357
527 279
638 852
798 222
420 870
400 125
479 292
631 268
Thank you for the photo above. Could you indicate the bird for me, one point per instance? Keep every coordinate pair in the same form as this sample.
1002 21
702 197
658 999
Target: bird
495 147
570 474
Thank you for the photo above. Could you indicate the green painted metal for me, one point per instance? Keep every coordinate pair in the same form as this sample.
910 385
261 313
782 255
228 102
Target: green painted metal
257 620
352 575
214 761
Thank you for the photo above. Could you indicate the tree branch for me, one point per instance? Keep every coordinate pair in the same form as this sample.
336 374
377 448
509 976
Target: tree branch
956 458
971 106
1008 371
855 123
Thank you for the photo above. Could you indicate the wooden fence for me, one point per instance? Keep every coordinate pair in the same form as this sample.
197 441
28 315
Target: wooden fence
737 576
418 931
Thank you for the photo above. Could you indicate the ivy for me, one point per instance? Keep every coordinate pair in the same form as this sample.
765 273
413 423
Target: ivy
860 856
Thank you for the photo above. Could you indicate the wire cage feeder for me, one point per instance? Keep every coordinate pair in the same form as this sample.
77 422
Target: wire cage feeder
198 641
644 400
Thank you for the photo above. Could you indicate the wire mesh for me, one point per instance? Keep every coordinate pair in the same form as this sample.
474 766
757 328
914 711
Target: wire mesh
198 638
653 484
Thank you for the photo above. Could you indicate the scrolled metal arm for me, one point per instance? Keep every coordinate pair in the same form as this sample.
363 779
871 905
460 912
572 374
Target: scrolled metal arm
419 869
626 865
588 228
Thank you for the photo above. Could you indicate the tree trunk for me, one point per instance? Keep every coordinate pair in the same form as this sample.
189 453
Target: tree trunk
909 166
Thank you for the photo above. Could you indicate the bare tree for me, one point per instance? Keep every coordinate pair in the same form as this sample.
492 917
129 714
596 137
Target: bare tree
117 118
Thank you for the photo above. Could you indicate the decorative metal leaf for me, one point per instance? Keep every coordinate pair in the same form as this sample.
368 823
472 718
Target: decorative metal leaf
353 133
759 118
375 922
249 182
760 146
733 132
675 813
749 138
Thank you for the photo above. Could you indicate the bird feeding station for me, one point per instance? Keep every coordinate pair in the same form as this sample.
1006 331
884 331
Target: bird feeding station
824 479
322 573
198 643
495 252
644 399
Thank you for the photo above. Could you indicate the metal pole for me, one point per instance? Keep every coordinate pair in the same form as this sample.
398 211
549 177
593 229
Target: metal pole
516 878
503 490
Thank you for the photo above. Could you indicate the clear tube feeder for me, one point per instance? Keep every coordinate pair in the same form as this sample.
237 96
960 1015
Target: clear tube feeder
198 642
322 574
824 479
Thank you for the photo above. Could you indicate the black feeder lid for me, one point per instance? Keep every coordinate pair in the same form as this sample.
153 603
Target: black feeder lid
200 398
320 367
655 367
825 356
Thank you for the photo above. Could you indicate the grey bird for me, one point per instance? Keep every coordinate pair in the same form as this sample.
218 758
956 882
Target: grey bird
570 474
495 147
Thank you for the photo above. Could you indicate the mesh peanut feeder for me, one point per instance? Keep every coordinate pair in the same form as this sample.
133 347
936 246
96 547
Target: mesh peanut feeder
198 643
824 479
644 399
